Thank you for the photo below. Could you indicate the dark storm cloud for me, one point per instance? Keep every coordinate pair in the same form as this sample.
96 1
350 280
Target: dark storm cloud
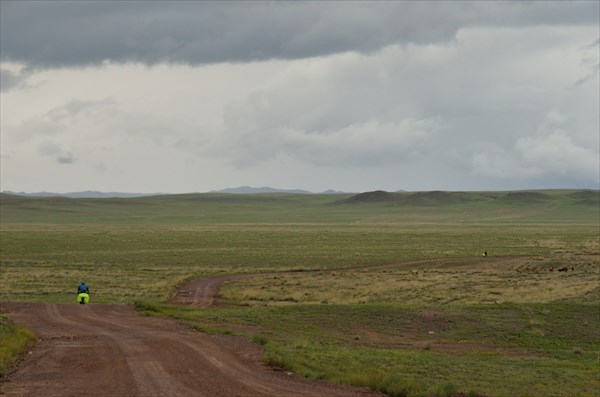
590 59
53 34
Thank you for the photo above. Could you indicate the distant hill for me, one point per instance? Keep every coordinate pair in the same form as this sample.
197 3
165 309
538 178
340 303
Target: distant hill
377 196
85 194
97 194
417 198
331 191
266 189
590 197
235 190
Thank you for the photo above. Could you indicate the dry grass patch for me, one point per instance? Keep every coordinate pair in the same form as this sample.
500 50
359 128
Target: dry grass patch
491 280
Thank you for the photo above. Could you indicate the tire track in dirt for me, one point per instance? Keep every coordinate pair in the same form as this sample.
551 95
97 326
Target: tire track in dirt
150 377
202 292
231 370
110 350
69 359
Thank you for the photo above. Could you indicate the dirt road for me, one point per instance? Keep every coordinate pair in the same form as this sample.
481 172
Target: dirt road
202 292
110 350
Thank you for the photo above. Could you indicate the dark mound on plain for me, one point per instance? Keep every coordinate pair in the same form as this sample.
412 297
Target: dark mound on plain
526 197
437 197
377 196
586 194
418 198
587 197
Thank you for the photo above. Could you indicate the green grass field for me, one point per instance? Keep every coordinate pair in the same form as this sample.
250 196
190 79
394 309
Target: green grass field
443 320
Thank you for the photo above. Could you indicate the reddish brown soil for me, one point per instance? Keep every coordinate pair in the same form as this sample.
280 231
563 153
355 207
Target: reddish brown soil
202 292
110 350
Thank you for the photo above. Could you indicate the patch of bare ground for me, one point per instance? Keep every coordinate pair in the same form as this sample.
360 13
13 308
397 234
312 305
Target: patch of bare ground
109 350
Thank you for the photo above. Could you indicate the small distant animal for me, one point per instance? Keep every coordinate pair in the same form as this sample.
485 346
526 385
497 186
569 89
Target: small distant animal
563 269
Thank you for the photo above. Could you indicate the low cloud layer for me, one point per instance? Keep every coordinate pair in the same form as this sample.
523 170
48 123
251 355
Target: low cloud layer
549 152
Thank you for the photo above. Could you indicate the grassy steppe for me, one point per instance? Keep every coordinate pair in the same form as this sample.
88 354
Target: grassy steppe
457 323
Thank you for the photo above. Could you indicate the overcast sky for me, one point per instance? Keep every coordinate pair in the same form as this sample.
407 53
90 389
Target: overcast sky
353 96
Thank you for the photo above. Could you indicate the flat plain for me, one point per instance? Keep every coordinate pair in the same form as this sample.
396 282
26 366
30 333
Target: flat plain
384 290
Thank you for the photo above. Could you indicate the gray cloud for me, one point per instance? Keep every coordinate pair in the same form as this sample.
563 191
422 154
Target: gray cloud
59 119
52 149
63 33
549 151
66 158
590 60
9 80
368 144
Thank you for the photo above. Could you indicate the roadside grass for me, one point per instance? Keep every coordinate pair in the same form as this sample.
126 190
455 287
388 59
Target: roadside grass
14 340
406 350
522 279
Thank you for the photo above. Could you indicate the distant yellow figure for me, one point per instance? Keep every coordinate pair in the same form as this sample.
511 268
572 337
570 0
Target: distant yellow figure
484 253
83 298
